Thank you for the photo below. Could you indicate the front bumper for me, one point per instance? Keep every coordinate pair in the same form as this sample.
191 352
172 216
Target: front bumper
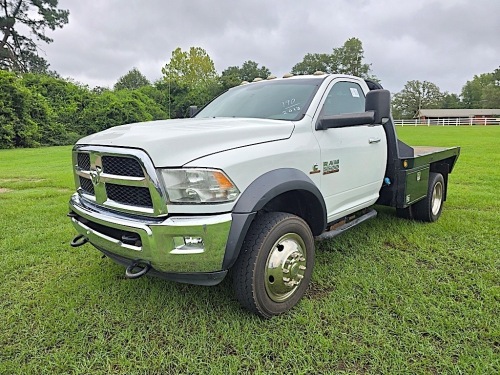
159 241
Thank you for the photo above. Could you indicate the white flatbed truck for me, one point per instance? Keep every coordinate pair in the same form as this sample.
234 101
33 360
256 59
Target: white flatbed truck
249 182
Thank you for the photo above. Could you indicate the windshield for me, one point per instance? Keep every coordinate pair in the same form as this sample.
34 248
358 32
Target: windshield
279 100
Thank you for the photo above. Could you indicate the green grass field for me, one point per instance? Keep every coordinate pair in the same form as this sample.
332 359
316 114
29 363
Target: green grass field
390 296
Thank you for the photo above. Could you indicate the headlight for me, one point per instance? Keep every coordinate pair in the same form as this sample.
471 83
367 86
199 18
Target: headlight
198 186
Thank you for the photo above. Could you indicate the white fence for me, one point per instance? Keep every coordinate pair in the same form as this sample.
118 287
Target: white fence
449 122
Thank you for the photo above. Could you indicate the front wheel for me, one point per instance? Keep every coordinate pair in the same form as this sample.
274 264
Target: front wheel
275 264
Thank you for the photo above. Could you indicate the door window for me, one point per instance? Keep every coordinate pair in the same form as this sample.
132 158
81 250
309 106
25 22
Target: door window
344 97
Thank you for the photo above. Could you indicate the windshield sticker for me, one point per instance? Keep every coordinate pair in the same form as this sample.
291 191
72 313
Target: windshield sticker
290 106
354 92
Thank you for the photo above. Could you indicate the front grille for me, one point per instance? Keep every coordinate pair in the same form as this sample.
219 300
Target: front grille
119 179
121 166
130 195
84 161
87 185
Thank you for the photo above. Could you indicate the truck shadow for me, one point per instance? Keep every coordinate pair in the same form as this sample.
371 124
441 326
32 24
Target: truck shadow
160 294
333 258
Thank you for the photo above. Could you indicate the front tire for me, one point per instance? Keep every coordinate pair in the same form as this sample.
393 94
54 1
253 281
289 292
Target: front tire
275 264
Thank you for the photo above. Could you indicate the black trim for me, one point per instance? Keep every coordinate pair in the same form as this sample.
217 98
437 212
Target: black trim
359 217
274 183
345 120
239 227
198 278
379 102
261 192
373 85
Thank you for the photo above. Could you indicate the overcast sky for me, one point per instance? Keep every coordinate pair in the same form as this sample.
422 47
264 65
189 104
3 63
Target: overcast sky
445 42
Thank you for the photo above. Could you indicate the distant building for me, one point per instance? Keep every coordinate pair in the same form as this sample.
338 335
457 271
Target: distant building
471 114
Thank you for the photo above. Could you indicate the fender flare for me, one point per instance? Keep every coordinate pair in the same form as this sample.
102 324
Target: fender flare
257 195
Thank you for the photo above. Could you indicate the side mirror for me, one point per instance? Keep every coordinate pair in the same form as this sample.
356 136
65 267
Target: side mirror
193 110
379 102
345 120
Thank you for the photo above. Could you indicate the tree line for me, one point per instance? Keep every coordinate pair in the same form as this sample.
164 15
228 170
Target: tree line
43 109
38 107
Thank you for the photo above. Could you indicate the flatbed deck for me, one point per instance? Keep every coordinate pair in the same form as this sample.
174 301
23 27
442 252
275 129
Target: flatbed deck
423 155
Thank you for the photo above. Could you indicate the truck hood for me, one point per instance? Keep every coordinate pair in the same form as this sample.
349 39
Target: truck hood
173 143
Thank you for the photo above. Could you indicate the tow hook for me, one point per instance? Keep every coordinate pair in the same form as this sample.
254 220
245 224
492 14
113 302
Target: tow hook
79 241
142 265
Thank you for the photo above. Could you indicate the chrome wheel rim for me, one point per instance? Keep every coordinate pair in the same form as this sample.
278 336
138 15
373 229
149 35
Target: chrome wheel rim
285 267
437 198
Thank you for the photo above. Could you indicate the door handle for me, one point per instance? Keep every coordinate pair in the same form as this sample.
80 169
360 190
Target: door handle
374 140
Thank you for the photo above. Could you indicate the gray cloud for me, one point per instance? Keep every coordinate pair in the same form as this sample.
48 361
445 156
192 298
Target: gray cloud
442 41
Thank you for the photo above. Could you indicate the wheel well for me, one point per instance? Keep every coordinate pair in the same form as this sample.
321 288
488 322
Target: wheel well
301 203
280 190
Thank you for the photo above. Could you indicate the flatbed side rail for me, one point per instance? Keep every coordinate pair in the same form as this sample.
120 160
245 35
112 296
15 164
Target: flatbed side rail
424 155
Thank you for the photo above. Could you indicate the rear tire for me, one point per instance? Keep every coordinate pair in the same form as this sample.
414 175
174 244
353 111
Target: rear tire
429 209
275 264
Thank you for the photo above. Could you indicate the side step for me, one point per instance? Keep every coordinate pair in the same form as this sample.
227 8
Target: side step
347 225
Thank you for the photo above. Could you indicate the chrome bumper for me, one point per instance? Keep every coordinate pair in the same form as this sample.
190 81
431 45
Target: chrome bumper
191 244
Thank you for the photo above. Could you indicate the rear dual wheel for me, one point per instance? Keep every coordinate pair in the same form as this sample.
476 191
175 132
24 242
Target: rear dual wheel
275 264
428 209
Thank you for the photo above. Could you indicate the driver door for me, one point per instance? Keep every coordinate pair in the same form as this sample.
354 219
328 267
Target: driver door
353 159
